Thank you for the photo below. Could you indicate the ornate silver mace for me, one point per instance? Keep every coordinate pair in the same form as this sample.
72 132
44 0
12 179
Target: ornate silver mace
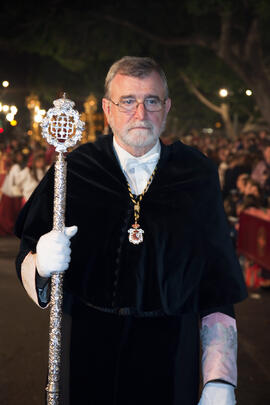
62 128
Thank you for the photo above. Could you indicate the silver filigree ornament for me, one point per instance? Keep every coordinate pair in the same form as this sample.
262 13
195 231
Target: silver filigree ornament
62 126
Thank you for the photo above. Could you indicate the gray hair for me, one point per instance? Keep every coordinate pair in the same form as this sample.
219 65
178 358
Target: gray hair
135 66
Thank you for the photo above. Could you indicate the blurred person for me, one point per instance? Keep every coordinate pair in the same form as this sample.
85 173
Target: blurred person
50 155
222 155
12 146
252 142
249 201
28 178
253 197
36 149
241 183
266 189
132 303
257 197
189 139
211 153
238 163
11 199
252 188
262 169
263 135
236 195
230 203
2 165
248 141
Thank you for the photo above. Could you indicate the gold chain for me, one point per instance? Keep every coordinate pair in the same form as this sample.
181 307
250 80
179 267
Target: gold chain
137 203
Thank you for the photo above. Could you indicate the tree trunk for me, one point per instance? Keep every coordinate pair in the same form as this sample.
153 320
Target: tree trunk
223 109
261 92
256 79
244 55
227 121
247 60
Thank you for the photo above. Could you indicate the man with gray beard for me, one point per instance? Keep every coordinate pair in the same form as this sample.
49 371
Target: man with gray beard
150 261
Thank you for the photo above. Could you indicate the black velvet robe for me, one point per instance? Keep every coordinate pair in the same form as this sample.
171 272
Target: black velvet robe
185 265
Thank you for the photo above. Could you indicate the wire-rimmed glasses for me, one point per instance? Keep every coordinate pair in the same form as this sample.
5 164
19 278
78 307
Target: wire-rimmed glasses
130 104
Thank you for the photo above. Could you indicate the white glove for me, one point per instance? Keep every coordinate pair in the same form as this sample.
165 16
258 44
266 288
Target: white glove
53 251
215 393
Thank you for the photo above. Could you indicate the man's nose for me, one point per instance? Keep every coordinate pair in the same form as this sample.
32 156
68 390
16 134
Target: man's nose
140 112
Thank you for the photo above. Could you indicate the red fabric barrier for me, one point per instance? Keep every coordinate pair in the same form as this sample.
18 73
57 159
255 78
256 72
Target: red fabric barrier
254 236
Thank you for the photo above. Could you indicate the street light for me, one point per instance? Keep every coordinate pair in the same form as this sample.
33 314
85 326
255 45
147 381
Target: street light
38 118
5 108
14 109
5 83
248 92
10 117
223 93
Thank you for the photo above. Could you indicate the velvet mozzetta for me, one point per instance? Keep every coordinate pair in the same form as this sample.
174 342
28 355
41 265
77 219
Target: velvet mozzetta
186 263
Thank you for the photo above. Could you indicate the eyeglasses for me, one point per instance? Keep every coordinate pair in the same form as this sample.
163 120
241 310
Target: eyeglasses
130 104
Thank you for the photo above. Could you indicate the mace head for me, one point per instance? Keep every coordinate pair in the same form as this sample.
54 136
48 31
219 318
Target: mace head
62 126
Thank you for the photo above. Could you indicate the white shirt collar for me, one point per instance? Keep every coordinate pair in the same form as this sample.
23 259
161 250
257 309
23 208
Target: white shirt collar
123 155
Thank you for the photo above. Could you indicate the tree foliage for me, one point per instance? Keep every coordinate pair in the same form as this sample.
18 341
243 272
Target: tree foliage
217 43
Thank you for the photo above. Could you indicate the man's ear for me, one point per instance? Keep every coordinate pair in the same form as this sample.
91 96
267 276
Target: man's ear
106 107
168 105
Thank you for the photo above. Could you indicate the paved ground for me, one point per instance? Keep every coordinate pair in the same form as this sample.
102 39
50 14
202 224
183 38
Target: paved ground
23 337
24 331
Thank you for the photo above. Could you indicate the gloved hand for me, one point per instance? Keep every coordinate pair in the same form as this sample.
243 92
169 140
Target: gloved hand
53 251
215 393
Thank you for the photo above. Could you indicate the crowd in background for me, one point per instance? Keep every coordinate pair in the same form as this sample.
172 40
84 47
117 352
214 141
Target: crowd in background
244 172
22 166
243 167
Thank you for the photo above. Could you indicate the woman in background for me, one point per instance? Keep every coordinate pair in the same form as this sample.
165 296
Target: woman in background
29 177
11 200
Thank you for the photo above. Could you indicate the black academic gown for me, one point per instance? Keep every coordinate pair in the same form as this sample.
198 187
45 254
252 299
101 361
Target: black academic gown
131 312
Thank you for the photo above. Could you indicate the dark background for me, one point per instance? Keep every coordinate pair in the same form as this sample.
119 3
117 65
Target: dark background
54 47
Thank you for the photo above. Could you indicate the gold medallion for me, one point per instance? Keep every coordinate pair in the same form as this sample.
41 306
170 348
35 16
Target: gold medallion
135 234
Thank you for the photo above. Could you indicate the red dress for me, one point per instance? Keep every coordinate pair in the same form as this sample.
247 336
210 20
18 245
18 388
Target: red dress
9 210
10 204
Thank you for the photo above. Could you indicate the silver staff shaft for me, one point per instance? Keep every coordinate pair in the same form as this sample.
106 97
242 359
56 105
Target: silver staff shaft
55 328
61 128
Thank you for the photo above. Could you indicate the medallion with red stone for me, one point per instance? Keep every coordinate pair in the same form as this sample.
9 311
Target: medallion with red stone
135 234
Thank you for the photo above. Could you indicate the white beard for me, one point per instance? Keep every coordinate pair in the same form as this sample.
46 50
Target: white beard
137 137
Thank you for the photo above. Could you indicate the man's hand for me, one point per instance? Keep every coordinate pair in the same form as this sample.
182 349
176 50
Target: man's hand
215 393
53 251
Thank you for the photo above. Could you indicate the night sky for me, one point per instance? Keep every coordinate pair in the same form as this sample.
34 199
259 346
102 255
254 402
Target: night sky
56 47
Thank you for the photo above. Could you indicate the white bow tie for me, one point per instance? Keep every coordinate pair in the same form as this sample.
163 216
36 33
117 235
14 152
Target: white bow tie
132 163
